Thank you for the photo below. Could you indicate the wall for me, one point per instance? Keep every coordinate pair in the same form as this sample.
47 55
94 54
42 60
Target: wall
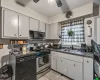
94 30
99 10
81 11
10 4
4 51
86 27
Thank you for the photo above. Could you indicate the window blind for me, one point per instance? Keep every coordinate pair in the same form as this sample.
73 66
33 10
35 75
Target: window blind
77 26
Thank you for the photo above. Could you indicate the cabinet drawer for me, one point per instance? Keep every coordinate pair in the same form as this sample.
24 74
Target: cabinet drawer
71 57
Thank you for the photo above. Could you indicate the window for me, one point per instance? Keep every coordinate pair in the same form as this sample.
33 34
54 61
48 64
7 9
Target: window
77 26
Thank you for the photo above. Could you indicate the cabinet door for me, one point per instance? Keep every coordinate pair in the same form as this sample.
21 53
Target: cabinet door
10 24
47 31
54 31
62 66
53 63
98 30
88 69
42 26
23 27
75 70
34 24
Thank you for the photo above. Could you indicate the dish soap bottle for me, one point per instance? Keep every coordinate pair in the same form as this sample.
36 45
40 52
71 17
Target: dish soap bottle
24 49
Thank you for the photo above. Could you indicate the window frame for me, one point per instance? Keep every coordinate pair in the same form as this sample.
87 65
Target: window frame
70 24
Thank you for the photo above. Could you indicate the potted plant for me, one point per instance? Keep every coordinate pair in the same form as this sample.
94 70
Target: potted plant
70 34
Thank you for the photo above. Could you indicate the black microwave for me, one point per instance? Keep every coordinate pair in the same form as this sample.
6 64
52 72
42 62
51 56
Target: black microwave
37 35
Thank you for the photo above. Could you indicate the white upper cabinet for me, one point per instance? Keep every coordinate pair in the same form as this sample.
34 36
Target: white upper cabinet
47 31
9 24
42 26
34 24
54 31
23 27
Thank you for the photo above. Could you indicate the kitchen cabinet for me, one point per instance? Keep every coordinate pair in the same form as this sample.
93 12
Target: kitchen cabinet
42 26
54 60
10 24
88 69
54 31
75 67
14 25
34 24
23 27
53 63
98 30
62 66
75 70
47 31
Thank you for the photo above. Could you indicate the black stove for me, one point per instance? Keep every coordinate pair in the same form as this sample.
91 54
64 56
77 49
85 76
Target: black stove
24 67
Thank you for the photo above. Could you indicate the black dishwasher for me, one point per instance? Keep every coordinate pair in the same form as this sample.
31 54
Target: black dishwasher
26 68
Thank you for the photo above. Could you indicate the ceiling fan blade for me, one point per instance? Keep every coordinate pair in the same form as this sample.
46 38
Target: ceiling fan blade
22 2
65 7
63 4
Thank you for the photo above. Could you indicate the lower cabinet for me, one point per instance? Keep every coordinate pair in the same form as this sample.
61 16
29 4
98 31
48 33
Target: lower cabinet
62 66
71 68
88 69
54 63
75 70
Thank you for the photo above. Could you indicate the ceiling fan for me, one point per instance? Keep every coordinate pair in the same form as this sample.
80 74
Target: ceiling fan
64 7
60 3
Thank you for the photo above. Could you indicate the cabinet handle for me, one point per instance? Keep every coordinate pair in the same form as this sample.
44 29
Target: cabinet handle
61 61
20 35
74 65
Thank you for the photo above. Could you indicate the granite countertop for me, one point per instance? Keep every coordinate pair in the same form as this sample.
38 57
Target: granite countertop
75 52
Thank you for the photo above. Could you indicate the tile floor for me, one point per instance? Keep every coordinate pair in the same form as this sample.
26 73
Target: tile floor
53 76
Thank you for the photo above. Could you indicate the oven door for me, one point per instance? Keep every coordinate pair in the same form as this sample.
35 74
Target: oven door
25 69
43 62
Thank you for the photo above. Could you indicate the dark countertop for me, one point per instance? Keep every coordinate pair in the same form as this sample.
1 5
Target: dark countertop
75 52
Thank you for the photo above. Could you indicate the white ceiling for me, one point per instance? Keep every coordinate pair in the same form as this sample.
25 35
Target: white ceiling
49 10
